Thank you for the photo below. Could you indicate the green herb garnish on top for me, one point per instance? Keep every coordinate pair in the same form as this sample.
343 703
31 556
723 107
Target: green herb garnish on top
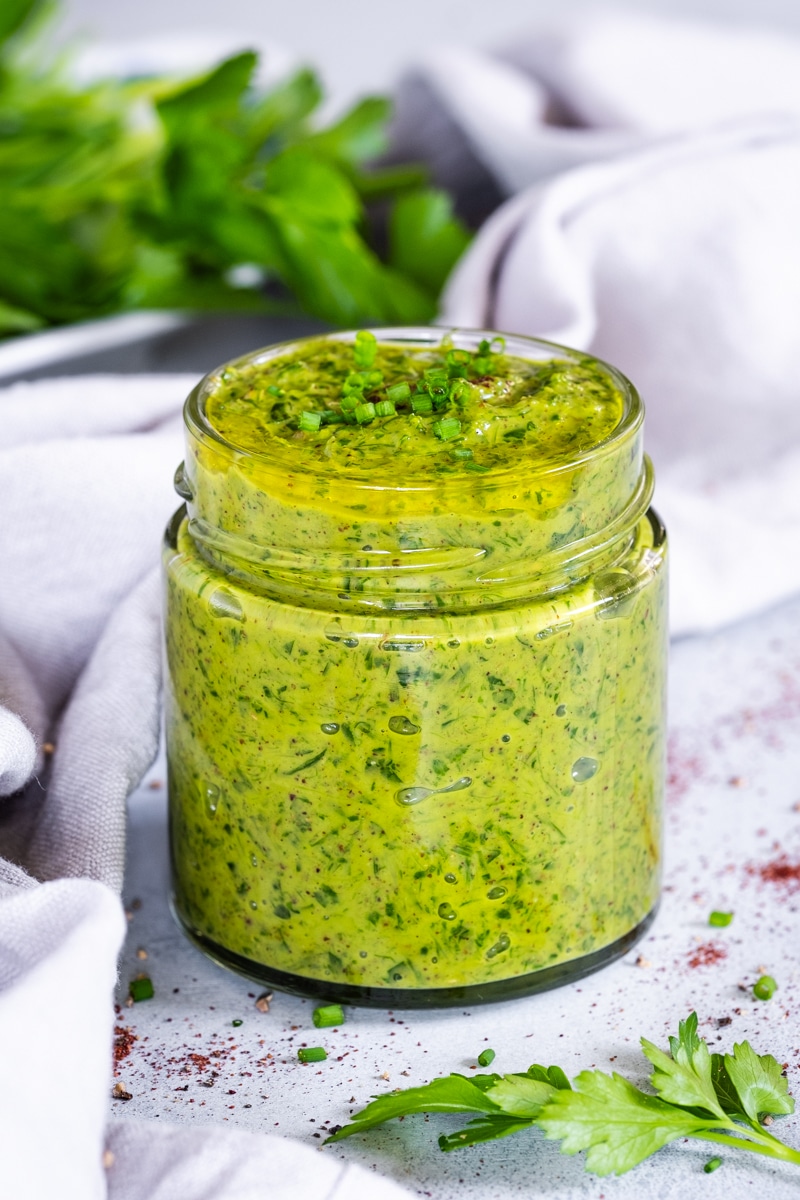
721 1098
358 403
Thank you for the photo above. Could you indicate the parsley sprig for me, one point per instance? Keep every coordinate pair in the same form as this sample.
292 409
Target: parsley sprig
205 193
720 1098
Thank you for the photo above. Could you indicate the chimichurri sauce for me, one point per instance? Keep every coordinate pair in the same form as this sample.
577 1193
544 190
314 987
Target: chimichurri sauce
444 411
393 797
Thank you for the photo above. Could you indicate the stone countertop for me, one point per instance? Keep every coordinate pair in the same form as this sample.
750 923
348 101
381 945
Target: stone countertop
732 843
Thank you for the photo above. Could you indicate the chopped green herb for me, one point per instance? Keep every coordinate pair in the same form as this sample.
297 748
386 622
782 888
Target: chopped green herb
236 1022
364 413
716 1097
398 392
385 408
447 428
712 1165
328 1014
485 1058
365 348
720 919
108 197
309 421
765 988
141 989
311 1054
457 363
354 383
421 405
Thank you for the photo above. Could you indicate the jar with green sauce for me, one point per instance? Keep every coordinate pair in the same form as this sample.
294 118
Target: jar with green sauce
416 643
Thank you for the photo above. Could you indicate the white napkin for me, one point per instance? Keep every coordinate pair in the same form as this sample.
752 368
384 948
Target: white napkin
87 469
582 87
58 949
678 261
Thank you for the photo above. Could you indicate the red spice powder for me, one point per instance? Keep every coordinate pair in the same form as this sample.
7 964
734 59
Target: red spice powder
781 871
684 769
707 955
123 1043
201 1061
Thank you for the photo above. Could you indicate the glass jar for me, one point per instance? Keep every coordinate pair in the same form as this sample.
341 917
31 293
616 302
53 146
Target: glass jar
415 721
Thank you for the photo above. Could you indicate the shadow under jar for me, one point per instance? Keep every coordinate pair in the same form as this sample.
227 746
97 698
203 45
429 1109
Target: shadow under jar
416 649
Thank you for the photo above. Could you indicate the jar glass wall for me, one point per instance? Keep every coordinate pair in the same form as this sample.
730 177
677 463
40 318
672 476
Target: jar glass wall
415 717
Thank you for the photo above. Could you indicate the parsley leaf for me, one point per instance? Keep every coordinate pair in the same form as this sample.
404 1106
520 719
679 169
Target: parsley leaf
155 192
684 1078
619 1125
717 1098
759 1084
483 1129
453 1093
520 1095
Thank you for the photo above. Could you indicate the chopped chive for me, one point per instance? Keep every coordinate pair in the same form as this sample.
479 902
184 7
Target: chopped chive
485 1058
461 452
354 383
765 988
720 919
141 989
349 402
365 348
236 1022
385 408
308 1054
460 390
398 392
447 428
484 346
421 405
436 376
275 391
497 345
364 413
374 379
457 363
482 365
309 421
471 465
333 418
328 1014
712 1165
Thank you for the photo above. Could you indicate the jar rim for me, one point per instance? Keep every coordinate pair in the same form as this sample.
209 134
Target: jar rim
420 336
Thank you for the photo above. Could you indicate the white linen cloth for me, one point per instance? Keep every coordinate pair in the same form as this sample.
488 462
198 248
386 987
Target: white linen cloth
656 166
86 471
676 257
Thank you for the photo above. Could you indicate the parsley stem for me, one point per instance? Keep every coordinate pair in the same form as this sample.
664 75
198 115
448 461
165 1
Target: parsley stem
761 1143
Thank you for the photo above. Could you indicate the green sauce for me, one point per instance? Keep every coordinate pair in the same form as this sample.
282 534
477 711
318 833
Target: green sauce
523 412
395 761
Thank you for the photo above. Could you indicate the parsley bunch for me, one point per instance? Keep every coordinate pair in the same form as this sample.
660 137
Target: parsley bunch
720 1098
203 193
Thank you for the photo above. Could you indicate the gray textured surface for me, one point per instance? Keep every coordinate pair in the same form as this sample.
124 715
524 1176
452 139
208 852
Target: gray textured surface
361 45
734 806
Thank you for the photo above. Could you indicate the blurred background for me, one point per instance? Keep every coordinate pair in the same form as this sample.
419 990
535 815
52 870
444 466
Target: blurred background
363 45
